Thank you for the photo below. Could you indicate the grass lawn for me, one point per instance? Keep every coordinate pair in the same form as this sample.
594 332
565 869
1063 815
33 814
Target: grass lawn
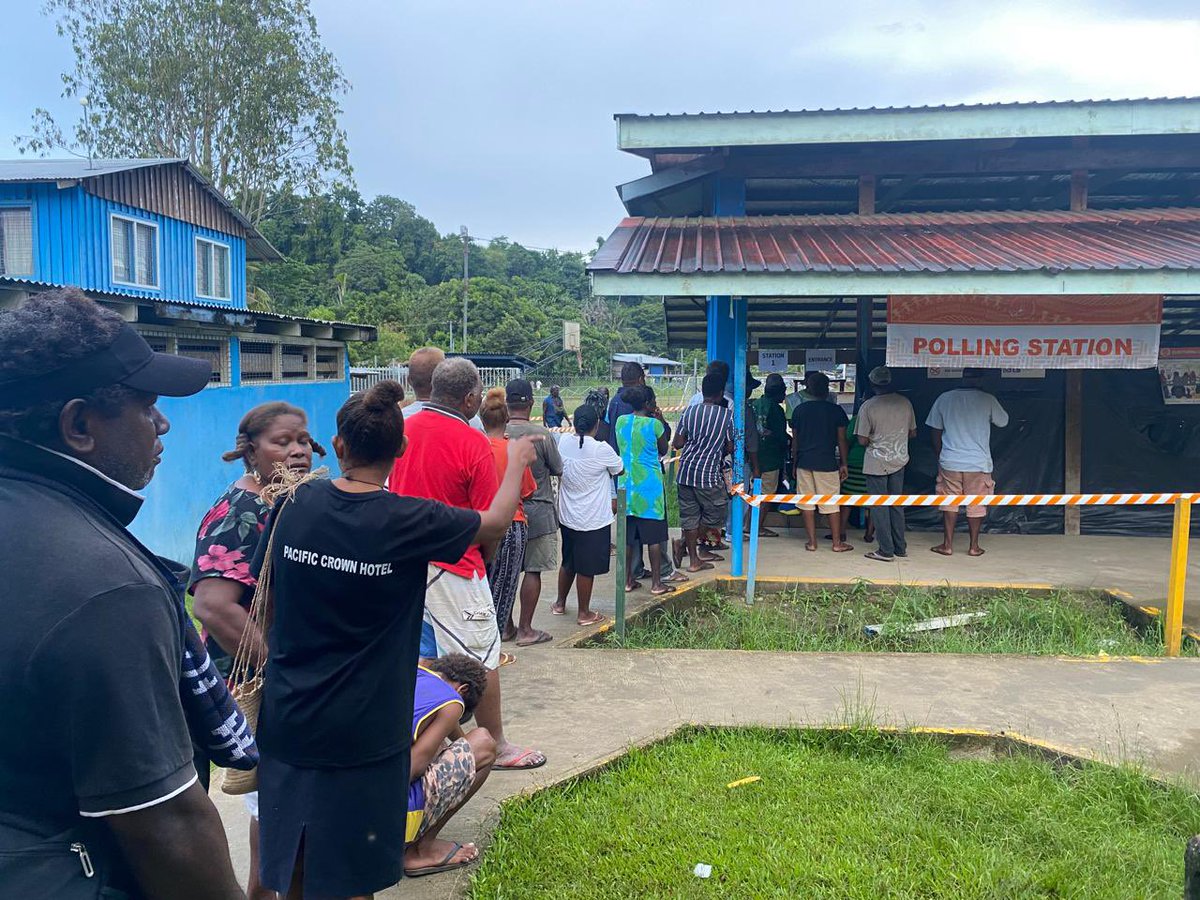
1061 623
853 814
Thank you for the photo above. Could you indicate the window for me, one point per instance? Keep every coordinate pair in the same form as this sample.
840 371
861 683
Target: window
295 361
329 364
258 361
16 240
134 252
212 269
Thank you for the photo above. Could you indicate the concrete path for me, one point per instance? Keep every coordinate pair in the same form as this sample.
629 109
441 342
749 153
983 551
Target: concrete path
581 706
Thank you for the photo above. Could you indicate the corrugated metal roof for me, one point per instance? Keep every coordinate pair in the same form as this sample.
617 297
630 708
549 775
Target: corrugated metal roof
62 169
849 110
645 359
14 170
910 242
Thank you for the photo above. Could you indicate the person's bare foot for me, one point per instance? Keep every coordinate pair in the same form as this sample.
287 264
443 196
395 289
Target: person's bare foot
810 547
427 854
591 618
843 547
976 551
943 550
558 609
512 758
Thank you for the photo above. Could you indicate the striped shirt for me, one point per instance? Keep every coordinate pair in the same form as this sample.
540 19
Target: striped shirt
707 428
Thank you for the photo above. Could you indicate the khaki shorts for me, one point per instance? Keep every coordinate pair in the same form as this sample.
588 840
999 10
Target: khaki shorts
541 553
966 483
810 482
460 617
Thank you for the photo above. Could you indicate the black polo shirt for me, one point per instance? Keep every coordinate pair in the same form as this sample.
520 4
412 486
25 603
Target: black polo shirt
91 645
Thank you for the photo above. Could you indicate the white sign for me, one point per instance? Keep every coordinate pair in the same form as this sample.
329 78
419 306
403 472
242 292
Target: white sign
1022 373
1024 332
820 360
773 360
943 372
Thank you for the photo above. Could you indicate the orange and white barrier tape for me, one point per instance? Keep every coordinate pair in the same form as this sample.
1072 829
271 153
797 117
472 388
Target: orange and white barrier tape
1160 499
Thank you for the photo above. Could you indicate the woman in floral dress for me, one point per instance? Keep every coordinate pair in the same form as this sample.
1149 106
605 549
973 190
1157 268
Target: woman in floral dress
269 436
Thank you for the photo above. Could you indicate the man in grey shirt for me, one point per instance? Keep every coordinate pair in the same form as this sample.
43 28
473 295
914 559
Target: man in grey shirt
541 553
885 424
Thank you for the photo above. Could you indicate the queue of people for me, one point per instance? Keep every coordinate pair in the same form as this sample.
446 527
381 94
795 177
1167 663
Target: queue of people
374 603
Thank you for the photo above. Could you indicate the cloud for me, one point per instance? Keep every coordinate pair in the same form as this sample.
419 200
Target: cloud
1031 52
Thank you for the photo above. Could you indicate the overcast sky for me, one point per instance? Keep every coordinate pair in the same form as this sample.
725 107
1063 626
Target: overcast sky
498 115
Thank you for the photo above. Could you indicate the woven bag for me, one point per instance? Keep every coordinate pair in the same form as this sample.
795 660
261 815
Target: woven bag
245 687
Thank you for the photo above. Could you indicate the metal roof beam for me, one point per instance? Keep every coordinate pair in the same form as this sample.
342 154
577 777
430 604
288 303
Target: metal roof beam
1007 120
850 284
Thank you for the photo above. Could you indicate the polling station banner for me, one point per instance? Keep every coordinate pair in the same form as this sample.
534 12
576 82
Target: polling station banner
1024 332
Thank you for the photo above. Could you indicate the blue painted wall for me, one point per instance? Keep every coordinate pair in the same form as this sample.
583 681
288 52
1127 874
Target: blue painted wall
72 244
192 474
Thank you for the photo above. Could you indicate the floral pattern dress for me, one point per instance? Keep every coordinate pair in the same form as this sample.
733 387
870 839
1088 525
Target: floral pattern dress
225 544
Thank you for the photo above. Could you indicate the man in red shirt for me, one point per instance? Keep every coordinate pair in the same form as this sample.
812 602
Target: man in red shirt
449 461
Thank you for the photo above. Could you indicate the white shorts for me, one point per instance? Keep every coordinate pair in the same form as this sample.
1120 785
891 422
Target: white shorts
460 617
251 801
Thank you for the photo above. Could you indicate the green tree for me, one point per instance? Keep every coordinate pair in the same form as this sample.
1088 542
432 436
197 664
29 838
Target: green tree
243 88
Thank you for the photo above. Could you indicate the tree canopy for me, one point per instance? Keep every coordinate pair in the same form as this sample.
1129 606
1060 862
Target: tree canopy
243 88
381 263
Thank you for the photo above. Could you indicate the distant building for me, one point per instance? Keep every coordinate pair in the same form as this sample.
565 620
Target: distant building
654 365
153 240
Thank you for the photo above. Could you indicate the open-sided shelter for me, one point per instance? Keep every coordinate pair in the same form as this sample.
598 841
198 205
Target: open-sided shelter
935 237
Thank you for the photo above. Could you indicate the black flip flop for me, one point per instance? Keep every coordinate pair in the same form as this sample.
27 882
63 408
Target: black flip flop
444 866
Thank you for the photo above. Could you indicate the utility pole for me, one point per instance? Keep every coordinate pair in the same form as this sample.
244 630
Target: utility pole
466 239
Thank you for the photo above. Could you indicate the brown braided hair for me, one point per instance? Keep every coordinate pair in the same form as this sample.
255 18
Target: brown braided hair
258 420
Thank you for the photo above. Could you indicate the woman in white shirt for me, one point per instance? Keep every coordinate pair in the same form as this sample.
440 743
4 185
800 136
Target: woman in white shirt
585 512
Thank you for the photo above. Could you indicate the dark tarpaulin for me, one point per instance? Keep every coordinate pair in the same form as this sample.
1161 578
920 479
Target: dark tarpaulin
1132 442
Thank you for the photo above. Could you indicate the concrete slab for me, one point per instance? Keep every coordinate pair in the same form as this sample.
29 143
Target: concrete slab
581 706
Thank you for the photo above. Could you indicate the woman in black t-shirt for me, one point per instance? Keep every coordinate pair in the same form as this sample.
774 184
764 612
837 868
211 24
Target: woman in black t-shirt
348 568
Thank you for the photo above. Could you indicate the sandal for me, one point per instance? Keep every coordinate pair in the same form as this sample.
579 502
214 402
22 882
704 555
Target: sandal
445 865
539 637
519 763
662 591
507 659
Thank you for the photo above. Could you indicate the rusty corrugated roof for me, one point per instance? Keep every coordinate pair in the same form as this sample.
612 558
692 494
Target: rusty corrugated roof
909 242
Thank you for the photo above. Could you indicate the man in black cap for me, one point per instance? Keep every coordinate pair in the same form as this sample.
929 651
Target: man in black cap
541 553
97 784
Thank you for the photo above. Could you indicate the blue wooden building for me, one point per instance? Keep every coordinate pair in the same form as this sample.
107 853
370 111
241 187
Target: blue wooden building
155 241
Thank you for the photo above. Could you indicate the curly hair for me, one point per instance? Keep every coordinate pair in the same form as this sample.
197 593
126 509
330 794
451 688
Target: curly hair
258 420
49 331
462 669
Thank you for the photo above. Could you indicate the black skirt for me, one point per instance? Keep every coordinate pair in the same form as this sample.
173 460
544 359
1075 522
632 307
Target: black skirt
348 823
586 552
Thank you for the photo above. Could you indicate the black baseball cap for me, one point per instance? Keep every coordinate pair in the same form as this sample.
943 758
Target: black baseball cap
127 361
518 391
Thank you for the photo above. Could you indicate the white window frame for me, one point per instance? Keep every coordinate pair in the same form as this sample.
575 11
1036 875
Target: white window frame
112 217
228 272
33 254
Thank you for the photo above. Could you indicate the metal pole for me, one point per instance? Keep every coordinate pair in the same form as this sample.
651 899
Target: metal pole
737 312
466 239
755 513
622 563
1177 580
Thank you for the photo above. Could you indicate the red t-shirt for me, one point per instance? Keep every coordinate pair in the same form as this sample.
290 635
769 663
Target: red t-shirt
528 482
449 461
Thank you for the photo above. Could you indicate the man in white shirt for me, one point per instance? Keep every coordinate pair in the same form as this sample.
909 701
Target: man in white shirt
962 421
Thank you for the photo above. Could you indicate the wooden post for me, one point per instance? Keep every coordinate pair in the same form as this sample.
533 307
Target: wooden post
622 562
1072 445
1177 580
1079 190
755 514
866 195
